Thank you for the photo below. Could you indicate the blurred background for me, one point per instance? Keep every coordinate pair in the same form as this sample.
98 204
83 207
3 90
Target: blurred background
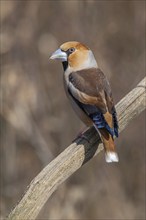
37 121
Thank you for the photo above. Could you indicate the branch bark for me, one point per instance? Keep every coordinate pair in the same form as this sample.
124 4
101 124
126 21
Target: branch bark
73 157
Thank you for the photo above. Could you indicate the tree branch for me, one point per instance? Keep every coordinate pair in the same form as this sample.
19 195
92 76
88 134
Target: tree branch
73 157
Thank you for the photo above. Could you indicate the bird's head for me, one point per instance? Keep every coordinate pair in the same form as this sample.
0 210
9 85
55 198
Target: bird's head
75 56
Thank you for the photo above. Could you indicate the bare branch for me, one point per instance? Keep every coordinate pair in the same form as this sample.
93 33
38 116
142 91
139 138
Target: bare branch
73 157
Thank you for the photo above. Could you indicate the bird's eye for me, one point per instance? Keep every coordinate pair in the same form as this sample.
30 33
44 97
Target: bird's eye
71 50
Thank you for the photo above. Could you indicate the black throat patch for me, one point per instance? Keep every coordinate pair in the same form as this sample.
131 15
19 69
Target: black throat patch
65 65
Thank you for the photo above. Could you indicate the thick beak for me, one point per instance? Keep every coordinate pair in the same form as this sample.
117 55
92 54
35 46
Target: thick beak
59 55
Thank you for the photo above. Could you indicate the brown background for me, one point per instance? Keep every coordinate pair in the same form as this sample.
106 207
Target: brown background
37 121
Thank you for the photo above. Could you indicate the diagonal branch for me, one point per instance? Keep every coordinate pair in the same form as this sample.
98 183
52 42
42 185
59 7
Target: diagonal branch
73 157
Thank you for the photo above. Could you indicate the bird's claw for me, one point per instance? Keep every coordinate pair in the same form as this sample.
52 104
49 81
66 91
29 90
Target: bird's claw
82 136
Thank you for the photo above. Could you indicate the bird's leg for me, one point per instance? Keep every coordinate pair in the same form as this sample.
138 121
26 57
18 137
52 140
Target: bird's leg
82 135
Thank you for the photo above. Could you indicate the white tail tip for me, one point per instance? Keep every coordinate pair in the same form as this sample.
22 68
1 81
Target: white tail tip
111 157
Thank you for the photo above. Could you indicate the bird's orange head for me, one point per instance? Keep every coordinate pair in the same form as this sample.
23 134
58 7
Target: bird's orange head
75 55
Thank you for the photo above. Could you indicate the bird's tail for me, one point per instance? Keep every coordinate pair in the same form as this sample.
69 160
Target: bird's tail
109 146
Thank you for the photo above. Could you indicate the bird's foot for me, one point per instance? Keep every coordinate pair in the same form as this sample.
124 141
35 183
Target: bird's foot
83 136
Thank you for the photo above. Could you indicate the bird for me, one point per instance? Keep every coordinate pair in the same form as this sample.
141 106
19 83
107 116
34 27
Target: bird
89 91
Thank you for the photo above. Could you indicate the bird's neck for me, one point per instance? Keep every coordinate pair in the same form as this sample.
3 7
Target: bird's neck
90 62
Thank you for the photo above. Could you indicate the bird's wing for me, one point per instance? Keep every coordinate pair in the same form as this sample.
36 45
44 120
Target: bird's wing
91 91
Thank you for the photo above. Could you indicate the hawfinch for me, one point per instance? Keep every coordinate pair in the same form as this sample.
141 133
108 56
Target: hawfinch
89 92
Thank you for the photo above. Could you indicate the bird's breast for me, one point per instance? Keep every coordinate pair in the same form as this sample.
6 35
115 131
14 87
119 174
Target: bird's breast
81 114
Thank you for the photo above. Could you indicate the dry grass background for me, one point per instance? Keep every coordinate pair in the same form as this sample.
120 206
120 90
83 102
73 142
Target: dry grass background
37 121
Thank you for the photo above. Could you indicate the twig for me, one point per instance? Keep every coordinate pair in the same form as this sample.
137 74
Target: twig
73 157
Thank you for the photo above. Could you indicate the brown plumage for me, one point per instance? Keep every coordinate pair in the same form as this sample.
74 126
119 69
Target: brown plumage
89 91
93 83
